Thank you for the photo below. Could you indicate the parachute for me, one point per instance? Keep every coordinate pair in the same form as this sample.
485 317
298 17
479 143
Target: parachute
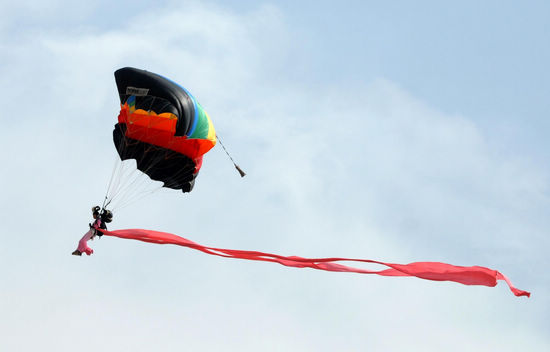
162 127
162 134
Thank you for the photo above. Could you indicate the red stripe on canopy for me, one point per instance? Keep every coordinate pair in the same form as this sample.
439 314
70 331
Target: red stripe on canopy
467 275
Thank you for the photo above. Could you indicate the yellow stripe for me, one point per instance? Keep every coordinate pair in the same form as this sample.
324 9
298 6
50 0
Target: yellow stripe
211 132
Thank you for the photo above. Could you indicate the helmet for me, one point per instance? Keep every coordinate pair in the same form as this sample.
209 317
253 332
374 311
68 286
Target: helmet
95 209
107 216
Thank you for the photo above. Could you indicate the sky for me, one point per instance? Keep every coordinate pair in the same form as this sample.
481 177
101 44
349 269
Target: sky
395 131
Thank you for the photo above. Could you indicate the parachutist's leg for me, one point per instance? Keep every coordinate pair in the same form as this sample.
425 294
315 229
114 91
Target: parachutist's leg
83 243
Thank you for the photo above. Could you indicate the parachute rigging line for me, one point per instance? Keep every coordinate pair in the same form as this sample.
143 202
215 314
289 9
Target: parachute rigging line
128 185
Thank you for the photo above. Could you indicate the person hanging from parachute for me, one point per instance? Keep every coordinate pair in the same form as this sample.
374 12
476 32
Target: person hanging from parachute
101 218
164 129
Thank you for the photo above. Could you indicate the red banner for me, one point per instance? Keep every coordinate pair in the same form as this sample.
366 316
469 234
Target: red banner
467 275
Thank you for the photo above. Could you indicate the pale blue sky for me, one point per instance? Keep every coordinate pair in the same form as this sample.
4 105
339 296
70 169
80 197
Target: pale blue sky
397 131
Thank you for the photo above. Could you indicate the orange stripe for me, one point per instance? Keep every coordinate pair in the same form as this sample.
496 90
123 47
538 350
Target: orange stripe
159 130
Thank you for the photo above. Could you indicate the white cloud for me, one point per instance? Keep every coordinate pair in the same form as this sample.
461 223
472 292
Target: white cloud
367 172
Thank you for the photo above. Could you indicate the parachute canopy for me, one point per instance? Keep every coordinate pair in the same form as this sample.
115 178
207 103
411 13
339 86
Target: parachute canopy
162 127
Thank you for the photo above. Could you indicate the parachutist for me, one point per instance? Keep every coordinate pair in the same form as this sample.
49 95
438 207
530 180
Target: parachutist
101 217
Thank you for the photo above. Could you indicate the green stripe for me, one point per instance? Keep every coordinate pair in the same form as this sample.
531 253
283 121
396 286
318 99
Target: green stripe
201 129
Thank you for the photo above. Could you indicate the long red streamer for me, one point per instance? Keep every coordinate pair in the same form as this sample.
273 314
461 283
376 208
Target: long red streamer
467 275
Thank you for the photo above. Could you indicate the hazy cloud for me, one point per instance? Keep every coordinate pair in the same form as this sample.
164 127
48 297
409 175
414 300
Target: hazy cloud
367 171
